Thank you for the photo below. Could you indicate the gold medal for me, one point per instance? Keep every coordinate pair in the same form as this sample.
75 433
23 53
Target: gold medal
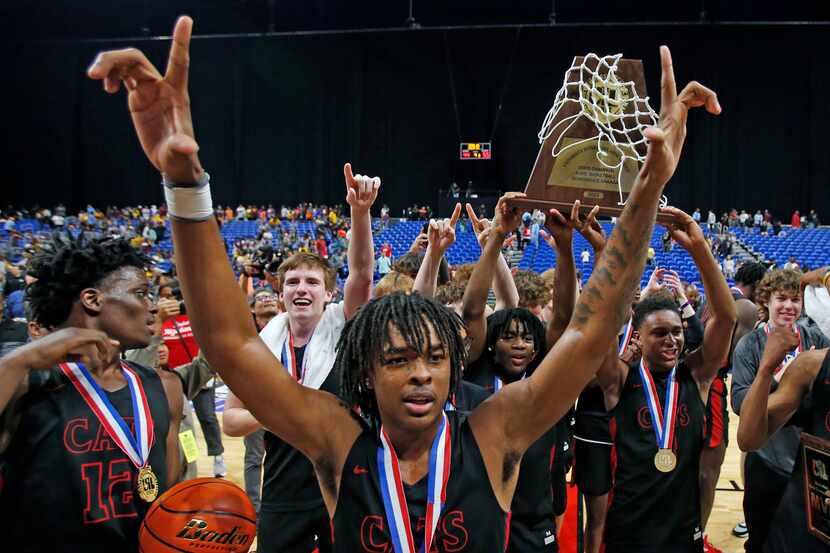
148 484
665 460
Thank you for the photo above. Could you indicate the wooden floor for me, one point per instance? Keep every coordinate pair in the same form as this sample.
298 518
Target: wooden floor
726 513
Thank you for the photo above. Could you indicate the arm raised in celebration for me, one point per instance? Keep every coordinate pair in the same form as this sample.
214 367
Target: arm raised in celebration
507 424
361 193
712 354
441 235
314 422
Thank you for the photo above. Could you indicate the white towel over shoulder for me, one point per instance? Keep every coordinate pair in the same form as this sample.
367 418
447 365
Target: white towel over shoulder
319 354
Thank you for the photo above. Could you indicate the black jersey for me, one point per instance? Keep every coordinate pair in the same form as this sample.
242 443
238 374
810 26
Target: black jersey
541 479
288 481
68 486
650 510
467 397
788 532
471 522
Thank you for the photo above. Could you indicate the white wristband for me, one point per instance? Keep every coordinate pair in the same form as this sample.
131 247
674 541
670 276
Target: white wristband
192 203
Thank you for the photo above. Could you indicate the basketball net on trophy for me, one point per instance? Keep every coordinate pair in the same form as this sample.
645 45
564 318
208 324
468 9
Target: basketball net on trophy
592 138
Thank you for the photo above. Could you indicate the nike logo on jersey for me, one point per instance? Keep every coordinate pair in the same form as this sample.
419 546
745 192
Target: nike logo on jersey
358 470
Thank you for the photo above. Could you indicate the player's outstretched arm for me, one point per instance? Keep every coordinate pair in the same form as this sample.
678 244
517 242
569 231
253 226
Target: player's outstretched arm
310 420
440 236
508 423
717 337
474 303
504 287
361 193
762 413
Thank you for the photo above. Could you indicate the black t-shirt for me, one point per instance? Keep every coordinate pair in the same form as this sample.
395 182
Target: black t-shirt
288 481
68 488
788 532
471 522
651 510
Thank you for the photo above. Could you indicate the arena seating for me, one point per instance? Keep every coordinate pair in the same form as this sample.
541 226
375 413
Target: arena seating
401 235
810 247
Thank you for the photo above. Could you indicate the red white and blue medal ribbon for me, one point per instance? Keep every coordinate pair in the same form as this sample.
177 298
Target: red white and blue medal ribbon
394 498
737 290
661 420
289 359
779 372
625 339
137 447
498 384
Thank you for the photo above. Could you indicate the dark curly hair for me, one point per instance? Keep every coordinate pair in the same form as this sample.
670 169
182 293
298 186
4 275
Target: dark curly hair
65 266
365 336
750 273
658 301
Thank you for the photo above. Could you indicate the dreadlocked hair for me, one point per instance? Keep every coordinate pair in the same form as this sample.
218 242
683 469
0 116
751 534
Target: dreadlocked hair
499 323
65 266
366 335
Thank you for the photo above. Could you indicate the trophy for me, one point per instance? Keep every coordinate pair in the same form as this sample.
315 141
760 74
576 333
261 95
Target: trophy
592 138
816 459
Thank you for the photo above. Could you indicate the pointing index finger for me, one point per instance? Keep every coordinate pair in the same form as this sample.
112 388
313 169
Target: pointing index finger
178 63
472 215
668 87
456 213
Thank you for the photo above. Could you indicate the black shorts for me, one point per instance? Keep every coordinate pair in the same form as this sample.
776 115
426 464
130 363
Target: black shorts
717 415
592 454
537 538
280 531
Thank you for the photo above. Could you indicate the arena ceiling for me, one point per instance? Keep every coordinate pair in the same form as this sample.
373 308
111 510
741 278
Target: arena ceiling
102 19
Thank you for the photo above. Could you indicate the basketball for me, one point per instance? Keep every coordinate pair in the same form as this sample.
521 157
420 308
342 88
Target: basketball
205 514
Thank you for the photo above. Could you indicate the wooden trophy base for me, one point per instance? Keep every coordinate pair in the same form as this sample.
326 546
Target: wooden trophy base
584 209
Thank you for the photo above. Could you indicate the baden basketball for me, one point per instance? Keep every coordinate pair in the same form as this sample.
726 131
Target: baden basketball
205 514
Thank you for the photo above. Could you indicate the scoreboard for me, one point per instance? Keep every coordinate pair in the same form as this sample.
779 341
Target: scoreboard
475 150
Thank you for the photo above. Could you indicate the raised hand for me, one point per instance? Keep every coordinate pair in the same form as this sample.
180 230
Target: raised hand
441 233
506 218
590 229
672 281
561 229
684 229
654 281
666 139
780 341
361 190
91 347
167 309
420 243
479 225
159 105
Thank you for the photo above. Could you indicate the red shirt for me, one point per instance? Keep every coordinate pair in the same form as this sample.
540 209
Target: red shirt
322 249
386 250
182 345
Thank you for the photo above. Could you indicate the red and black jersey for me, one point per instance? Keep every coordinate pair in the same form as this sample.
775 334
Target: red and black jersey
471 522
788 532
651 510
67 486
